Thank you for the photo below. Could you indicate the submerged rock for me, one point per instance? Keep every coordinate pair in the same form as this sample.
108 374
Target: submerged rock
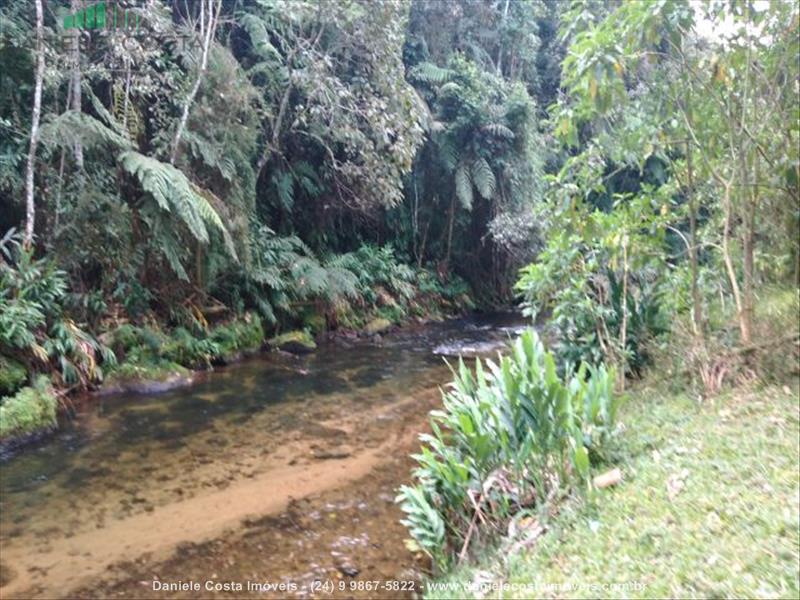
296 342
468 349
169 381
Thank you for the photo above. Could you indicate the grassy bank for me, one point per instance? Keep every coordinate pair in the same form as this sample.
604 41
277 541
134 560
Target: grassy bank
708 507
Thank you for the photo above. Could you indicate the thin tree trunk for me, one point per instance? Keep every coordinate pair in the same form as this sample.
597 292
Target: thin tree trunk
726 256
30 208
697 309
450 219
748 249
74 102
499 66
423 244
207 31
624 328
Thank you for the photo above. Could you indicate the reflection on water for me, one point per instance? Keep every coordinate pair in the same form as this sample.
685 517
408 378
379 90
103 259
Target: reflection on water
129 454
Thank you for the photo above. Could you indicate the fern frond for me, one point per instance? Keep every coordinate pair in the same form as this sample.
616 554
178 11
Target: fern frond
284 189
499 130
306 176
483 178
448 153
451 87
172 190
430 73
210 154
463 186
163 238
104 113
72 126
257 29
203 199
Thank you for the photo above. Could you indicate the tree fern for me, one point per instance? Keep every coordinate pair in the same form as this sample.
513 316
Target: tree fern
210 154
110 119
463 186
450 88
204 199
72 126
258 30
307 178
483 178
171 190
163 238
448 152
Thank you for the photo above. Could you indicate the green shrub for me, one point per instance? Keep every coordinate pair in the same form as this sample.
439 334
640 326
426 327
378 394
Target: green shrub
33 321
148 350
246 333
32 409
189 351
506 441
12 375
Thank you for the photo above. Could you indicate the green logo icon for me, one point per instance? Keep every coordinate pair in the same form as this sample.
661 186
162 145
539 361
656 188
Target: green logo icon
103 15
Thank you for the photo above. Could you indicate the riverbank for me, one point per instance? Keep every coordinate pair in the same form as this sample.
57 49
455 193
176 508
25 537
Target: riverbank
149 358
708 506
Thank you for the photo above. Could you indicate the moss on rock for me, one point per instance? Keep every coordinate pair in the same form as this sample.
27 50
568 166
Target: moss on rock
296 342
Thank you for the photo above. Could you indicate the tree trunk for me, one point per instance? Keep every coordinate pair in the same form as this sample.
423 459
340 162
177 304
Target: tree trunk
744 331
748 250
450 219
624 329
697 309
499 66
30 208
74 102
207 32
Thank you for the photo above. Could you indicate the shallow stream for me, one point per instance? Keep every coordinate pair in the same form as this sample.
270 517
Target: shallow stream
277 469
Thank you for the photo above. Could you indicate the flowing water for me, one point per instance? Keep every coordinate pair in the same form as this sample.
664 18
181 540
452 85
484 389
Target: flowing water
275 471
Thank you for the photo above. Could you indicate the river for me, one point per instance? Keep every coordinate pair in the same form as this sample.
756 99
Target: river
275 471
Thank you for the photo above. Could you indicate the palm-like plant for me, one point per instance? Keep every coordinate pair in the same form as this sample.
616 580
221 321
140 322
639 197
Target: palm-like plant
33 327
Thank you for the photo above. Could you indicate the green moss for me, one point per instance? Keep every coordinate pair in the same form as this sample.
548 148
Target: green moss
130 370
32 409
298 342
314 322
12 375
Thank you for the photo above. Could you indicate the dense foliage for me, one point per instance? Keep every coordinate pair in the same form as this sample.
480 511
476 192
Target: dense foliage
309 165
678 189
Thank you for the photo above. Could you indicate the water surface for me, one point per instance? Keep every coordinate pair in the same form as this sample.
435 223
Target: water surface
297 455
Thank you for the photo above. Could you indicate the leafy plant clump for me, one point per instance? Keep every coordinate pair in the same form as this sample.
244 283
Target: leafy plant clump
31 409
147 350
34 326
507 442
12 375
